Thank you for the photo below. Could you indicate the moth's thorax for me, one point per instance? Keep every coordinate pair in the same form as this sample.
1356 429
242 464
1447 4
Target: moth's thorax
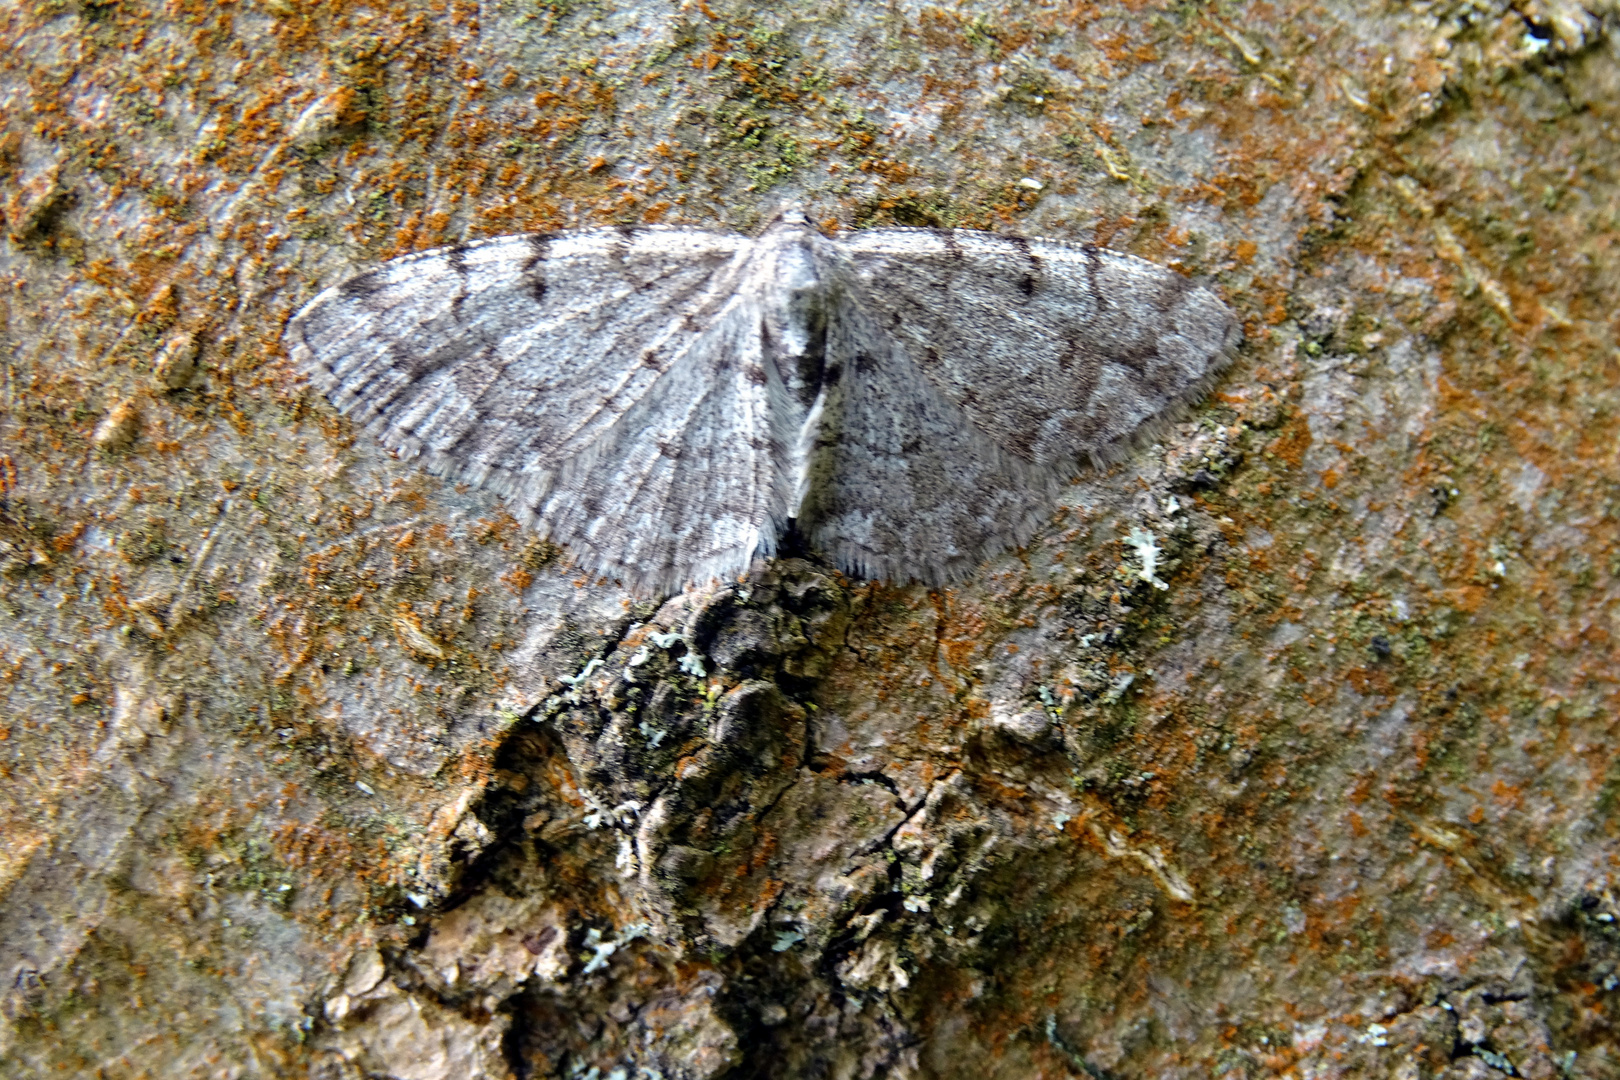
795 311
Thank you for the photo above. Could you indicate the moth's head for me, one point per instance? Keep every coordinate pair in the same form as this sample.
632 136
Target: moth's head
789 215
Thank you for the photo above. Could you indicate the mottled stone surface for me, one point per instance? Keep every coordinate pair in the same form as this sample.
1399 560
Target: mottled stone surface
311 765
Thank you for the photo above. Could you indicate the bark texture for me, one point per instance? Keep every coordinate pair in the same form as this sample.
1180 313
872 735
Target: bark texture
1286 748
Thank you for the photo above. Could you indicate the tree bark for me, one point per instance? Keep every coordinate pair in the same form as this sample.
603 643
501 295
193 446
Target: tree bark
316 766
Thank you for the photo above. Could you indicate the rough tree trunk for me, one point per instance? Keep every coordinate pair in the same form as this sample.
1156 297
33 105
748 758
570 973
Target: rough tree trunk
314 765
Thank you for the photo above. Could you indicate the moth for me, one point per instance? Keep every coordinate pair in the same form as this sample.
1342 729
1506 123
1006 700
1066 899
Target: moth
670 403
